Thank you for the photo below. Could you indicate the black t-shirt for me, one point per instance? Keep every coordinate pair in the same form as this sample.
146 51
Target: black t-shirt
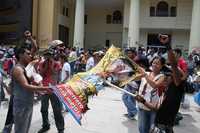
167 112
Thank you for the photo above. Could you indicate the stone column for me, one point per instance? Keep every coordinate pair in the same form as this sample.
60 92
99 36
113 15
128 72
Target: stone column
126 23
195 28
35 18
46 22
134 26
79 24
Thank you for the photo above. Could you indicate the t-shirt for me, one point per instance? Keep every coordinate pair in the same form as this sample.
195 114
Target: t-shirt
51 76
90 63
183 65
66 68
150 94
169 108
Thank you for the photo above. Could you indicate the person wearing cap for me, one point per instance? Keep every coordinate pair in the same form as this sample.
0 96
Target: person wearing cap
50 70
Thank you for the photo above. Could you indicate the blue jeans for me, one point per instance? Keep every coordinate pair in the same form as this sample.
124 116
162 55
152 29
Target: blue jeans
129 102
196 86
145 120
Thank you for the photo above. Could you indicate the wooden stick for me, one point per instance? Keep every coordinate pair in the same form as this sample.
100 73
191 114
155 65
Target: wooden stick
118 88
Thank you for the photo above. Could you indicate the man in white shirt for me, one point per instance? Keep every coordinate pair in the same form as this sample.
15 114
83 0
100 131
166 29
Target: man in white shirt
90 63
66 69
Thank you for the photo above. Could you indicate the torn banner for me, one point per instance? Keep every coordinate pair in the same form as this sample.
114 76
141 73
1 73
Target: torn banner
74 94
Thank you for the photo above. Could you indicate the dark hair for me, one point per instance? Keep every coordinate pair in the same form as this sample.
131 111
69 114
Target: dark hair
161 59
20 49
131 50
178 51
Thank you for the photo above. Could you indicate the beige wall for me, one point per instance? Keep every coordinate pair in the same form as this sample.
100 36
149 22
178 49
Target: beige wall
180 39
96 30
67 21
182 21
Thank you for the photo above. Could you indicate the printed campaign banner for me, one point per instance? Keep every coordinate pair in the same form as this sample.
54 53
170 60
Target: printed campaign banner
75 92
71 101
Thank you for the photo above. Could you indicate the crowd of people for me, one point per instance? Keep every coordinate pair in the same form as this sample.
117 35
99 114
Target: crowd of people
159 90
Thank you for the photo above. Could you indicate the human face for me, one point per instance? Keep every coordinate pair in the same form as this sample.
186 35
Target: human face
130 54
156 65
27 56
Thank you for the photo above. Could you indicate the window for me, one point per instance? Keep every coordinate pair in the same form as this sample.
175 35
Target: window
64 34
63 10
85 19
107 43
67 12
173 11
152 11
117 17
162 9
108 19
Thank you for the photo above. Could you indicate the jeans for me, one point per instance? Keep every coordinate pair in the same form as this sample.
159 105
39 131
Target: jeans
57 110
22 114
129 102
196 86
145 120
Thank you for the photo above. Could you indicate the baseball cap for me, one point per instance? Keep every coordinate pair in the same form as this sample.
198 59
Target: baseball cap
55 43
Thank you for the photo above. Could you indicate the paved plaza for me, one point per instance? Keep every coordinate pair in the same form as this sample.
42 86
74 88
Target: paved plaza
106 116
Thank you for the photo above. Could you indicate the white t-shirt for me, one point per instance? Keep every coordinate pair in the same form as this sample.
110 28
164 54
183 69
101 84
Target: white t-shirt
66 68
72 54
150 94
90 63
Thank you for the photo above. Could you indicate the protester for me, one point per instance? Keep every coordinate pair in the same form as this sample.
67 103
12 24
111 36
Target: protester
50 71
128 100
23 91
166 114
149 90
66 69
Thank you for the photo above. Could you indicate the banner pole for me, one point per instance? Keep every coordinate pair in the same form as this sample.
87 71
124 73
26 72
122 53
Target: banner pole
118 88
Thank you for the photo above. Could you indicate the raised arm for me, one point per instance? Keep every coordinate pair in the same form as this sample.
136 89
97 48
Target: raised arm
164 39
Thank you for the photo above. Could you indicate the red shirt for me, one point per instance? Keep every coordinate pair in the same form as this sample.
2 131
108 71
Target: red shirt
182 64
52 73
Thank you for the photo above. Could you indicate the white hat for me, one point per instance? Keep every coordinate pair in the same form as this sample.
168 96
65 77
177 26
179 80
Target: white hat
55 43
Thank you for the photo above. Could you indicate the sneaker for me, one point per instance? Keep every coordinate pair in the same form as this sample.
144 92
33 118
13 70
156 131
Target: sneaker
129 117
43 129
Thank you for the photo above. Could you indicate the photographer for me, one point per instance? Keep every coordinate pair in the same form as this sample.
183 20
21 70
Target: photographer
50 70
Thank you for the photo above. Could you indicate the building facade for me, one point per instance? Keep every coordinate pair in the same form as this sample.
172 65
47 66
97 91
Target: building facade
124 23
